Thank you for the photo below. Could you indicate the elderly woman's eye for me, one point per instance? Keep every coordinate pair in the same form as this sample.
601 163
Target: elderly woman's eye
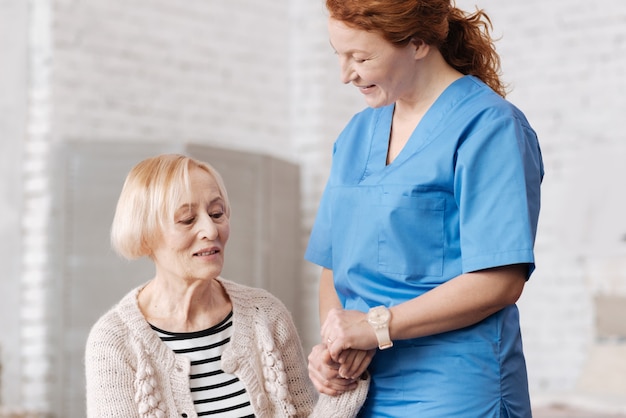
217 215
187 221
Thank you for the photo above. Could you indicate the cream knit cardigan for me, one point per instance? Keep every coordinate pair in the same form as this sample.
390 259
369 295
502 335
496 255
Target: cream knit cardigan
131 373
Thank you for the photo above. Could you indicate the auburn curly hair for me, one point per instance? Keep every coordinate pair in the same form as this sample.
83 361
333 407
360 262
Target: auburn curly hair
463 39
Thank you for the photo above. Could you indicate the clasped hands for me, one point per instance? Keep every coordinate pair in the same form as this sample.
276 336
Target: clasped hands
347 348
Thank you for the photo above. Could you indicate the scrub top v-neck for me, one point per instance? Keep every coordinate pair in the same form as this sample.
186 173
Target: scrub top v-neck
461 196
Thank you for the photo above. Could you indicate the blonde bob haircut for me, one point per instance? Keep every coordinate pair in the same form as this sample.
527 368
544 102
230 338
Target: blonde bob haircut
148 200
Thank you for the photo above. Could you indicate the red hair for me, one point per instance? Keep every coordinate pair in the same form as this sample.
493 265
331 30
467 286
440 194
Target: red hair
463 39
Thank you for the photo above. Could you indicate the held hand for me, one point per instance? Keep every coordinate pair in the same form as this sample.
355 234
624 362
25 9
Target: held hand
324 373
347 329
353 363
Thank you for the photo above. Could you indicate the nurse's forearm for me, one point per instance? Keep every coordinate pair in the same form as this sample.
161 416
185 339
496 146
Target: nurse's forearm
463 301
328 294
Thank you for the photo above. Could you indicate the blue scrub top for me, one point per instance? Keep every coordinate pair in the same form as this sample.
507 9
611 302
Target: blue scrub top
462 195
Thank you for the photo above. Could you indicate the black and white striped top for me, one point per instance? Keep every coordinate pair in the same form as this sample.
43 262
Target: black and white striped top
215 394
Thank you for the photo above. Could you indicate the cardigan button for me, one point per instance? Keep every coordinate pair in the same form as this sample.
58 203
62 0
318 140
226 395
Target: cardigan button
184 415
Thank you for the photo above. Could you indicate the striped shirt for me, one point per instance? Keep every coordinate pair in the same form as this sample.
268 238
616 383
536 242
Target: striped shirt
215 394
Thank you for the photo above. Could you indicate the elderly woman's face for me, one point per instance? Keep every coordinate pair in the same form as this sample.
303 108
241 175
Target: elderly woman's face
192 243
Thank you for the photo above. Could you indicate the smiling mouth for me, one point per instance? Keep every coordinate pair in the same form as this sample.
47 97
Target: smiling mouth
206 253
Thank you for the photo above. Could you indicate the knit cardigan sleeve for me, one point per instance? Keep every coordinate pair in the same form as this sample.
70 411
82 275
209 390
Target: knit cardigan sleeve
346 405
109 371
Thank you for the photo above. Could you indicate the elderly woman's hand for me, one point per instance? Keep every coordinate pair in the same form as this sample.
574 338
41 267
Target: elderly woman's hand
353 363
324 372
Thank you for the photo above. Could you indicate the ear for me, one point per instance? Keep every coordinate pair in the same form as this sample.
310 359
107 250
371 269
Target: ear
421 48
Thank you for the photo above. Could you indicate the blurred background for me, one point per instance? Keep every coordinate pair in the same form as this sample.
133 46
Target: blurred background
90 87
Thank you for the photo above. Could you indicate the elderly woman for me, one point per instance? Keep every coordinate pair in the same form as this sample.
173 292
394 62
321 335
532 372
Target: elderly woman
189 343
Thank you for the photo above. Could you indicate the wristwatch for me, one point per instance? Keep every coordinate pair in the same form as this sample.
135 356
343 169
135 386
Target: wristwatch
378 317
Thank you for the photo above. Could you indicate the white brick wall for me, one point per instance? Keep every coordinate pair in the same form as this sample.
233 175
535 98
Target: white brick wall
262 77
13 80
175 71
37 291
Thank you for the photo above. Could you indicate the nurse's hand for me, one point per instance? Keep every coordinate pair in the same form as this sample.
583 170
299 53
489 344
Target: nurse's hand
324 373
347 329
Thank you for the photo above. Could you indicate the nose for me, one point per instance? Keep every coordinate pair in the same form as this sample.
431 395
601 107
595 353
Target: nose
347 73
207 228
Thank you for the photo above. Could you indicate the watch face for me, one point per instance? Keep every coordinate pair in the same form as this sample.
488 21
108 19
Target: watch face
378 316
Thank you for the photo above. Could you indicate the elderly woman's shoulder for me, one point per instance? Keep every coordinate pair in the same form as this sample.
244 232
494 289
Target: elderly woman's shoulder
108 334
249 297
238 290
115 323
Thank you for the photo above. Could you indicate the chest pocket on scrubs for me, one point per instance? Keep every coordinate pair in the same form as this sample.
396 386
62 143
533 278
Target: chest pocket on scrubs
411 235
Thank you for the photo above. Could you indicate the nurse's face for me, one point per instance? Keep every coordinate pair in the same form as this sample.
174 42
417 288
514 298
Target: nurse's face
191 246
381 71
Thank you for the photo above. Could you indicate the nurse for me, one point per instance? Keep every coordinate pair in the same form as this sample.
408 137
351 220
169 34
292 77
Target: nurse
426 228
